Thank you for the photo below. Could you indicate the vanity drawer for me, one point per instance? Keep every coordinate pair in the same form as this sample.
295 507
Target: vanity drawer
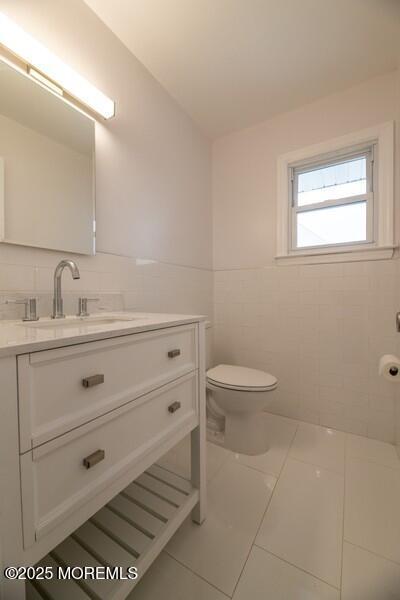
63 475
62 389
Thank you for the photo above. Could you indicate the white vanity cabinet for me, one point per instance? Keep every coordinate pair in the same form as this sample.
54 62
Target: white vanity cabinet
64 388
82 428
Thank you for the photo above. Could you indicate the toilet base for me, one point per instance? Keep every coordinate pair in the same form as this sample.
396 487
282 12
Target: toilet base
245 433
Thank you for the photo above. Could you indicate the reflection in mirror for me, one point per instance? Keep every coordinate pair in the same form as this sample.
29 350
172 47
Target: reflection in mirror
47 168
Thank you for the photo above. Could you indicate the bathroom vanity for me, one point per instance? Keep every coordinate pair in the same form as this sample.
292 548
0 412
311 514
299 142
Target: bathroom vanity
88 406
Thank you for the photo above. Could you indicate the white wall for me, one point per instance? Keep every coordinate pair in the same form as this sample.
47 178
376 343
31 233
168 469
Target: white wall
320 328
244 166
152 169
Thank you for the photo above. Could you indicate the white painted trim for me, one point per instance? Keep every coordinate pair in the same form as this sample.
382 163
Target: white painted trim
383 134
2 201
159 542
334 255
198 437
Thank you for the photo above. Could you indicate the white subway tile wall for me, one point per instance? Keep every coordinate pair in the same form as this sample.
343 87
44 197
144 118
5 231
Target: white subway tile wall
121 283
321 330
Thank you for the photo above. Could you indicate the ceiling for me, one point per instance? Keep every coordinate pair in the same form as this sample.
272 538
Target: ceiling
233 63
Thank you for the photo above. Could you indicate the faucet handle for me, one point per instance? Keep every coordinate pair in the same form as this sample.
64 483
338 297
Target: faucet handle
83 306
30 308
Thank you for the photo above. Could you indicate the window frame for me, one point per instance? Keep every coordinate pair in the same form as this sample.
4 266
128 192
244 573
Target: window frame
380 242
367 152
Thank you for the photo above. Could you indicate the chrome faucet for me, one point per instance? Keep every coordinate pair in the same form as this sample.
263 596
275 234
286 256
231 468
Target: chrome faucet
57 299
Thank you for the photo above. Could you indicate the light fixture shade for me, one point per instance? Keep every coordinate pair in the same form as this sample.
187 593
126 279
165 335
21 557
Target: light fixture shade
20 43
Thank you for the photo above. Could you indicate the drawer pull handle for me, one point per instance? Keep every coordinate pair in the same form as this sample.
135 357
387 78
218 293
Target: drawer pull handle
94 459
174 353
93 380
174 407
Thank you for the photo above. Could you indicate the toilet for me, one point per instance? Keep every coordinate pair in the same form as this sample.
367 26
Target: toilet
235 397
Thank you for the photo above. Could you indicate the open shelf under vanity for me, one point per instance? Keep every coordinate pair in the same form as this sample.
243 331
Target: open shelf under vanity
129 531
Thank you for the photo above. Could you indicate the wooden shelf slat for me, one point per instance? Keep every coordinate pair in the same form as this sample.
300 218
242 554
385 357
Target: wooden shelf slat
115 537
90 536
72 554
175 481
59 589
163 490
117 527
153 503
32 593
136 515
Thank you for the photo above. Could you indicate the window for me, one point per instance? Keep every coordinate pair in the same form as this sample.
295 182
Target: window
332 201
336 198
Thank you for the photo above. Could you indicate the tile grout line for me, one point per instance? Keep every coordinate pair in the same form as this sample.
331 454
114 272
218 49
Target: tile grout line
186 566
279 557
289 449
323 467
287 455
197 574
269 473
393 562
376 463
297 567
266 509
343 512
223 463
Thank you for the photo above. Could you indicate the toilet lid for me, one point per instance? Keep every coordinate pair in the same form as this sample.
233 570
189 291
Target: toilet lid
241 378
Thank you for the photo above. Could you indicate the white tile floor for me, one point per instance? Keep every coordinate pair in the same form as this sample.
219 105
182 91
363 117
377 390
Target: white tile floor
316 518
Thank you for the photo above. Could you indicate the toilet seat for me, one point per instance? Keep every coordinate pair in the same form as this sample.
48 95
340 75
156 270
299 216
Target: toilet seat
242 379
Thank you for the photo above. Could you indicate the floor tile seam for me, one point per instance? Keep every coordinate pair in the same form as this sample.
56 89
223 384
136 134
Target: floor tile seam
374 553
191 570
219 469
288 450
257 470
343 515
393 562
297 567
304 462
371 461
261 521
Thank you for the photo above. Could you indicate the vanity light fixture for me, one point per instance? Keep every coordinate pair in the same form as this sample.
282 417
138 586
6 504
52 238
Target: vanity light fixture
49 70
44 81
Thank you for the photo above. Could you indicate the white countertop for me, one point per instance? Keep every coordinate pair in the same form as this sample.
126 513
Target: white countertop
17 337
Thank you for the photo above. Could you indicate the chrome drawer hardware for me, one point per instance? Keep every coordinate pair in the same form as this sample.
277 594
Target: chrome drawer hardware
93 380
174 353
94 459
174 407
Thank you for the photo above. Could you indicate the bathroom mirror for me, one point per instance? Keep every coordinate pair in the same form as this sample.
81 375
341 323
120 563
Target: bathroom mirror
46 167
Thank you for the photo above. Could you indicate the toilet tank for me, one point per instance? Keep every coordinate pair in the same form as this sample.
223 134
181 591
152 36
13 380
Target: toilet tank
209 345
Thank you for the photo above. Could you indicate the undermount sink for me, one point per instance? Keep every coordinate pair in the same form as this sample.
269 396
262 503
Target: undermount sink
79 322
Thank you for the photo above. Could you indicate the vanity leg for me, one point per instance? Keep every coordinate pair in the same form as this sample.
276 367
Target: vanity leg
198 467
199 437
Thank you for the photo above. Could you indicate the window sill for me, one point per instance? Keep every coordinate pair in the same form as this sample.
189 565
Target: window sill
336 256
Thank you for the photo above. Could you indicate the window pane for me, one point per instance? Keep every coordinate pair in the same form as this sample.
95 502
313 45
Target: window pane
342 180
332 225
